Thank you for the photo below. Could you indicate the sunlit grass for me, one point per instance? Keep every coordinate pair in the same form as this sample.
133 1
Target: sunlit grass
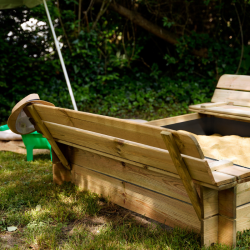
49 216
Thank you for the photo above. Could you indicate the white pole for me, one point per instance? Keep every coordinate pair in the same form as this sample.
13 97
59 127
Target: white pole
60 56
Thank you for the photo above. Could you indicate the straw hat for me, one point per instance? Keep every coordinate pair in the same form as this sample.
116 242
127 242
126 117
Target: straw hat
18 121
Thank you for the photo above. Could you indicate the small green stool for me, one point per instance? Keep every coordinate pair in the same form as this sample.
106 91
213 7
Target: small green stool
35 140
32 141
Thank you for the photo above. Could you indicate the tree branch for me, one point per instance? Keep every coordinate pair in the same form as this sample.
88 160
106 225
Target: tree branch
136 18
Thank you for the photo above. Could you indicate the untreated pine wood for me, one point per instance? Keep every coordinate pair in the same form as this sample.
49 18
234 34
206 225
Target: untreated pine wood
143 177
234 82
175 119
211 105
124 129
222 114
237 171
156 206
182 171
243 217
140 133
209 231
227 202
140 165
144 154
243 193
48 136
227 231
209 202
217 165
239 98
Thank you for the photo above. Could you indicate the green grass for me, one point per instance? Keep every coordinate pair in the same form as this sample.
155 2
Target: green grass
71 219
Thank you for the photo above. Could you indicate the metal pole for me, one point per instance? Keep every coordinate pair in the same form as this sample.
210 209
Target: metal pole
60 56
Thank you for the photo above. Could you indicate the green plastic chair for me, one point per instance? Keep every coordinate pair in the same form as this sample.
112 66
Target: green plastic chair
35 140
32 141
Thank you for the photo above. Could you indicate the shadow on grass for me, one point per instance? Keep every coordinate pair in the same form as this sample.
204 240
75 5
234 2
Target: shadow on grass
49 216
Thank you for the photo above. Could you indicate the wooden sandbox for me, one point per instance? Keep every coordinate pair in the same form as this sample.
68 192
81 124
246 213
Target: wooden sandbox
154 169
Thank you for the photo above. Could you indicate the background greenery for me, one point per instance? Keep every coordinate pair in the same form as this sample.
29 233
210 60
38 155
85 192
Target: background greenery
115 66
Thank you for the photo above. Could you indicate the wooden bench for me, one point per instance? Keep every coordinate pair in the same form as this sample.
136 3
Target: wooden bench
231 99
157 172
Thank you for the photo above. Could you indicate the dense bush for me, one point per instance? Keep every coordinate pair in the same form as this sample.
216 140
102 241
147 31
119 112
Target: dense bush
115 67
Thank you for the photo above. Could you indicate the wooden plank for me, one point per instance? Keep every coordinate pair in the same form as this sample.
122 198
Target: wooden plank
239 98
124 129
120 159
156 206
235 82
243 194
222 115
209 202
211 105
140 133
140 153
187 144
221 187
238 172
155 181
175 119
182 171
217 165
227 202
48 136
243 218
227 231
222 179
209 231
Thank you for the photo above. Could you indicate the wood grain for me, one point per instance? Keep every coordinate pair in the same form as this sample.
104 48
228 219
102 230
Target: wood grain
238 172
209 231
143 177
141 133
243 193
144 154
227 231
223 114
217 165
235 82
48 136
239 98
182 171
175 119
161 208
209 202
243 217
227 202
211 105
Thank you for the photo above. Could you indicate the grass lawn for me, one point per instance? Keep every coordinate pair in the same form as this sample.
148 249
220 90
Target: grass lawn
49 216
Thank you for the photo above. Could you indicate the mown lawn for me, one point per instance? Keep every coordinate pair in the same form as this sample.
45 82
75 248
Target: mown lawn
48 216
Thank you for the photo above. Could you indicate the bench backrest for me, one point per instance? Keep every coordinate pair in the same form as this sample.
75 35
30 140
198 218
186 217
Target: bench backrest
123 140
233 89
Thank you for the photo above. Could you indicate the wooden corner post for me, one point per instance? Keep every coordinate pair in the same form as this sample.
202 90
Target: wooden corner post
182 171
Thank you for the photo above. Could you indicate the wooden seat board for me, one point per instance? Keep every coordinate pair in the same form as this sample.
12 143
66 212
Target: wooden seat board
234 82
147 155
141 133
150 156
238 98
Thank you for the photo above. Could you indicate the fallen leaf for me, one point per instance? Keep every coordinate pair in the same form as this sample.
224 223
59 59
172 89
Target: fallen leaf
11 229
38 207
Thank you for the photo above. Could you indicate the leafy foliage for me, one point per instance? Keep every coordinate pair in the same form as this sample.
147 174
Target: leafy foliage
115 67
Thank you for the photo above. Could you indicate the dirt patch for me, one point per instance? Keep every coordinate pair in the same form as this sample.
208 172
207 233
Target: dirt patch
9 240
